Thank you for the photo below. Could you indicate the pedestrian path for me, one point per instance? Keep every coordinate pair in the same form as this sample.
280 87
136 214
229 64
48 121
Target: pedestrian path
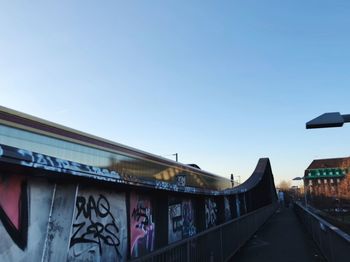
282 238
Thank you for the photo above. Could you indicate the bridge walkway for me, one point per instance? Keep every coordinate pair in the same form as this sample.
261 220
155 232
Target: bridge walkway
281 238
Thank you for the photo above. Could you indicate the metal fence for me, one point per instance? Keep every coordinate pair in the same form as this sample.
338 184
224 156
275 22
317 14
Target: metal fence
219 243
333 243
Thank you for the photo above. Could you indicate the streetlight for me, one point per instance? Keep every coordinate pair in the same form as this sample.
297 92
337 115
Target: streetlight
233 182
305 187
334 119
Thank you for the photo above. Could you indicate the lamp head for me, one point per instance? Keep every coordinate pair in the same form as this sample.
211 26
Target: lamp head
334 119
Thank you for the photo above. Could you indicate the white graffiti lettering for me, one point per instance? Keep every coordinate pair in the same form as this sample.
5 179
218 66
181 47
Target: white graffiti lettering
181 180
26 154
36 160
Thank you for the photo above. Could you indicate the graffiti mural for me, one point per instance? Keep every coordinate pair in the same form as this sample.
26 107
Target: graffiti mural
181 219
142 227
41 221
14 208
211 213
98 229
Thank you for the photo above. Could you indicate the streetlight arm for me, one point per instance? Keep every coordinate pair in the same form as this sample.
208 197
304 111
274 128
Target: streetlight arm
346 118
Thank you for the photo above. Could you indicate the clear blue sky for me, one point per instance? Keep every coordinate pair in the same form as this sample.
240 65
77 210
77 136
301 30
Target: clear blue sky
222 83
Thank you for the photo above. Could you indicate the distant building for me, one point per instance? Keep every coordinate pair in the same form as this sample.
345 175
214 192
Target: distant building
323 176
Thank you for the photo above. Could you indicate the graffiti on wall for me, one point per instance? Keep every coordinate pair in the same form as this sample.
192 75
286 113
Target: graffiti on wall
37 160
142 227
188 216
227 207
238 209
32 159
175 223
99 226
211 213
25 204
14 208
180 180
181 219
93 224
89 229
40 161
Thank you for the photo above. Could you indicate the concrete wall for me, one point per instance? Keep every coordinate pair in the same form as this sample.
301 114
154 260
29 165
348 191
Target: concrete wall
43 220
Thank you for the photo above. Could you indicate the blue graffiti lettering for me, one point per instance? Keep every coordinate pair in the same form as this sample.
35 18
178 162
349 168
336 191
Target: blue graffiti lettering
50 161
62 163
41 160
75 166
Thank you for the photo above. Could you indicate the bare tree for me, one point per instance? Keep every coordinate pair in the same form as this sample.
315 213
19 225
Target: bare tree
284 185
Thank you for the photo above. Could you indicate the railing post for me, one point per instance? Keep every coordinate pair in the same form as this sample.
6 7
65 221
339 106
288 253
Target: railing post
221 246
211 257
188 251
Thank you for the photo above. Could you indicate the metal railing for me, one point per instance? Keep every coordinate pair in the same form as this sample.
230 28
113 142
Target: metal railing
219 243
333 243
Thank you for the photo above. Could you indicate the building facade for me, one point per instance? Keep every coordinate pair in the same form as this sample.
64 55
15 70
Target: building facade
324 176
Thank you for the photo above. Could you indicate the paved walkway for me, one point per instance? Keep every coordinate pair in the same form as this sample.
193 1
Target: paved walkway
282 238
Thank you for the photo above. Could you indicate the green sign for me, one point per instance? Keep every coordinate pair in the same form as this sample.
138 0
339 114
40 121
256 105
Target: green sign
326 173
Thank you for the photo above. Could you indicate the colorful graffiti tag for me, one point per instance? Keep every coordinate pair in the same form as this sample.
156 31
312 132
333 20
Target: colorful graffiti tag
142 227
14 208
181 219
